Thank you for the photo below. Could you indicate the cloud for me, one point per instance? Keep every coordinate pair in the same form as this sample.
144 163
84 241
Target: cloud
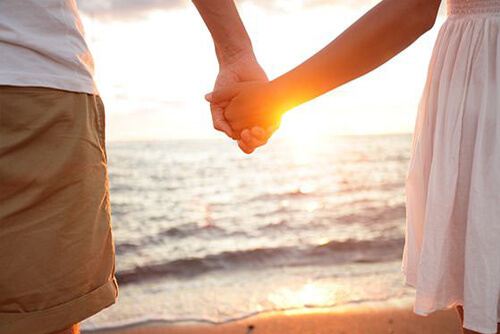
128 9
286 4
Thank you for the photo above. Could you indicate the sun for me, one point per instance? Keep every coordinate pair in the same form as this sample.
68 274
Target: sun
306 125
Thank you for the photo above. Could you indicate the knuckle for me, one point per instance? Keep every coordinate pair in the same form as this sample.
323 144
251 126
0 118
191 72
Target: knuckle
216 126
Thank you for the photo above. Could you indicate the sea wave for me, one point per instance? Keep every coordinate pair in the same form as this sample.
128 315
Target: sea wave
333 252
177 232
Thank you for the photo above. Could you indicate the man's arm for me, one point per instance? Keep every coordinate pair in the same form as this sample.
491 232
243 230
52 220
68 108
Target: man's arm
228 32
237 62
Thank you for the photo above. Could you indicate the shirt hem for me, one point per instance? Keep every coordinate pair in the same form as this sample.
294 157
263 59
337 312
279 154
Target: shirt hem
81 85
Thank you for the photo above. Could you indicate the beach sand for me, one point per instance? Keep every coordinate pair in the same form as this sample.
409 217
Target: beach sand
362 319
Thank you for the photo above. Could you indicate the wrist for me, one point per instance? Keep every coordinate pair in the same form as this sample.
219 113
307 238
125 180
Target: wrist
230 54
281 96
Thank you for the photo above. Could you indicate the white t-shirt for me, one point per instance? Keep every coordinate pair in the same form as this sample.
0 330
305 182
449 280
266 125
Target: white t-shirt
42 44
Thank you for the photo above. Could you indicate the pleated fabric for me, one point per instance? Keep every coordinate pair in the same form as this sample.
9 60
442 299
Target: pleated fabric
452 249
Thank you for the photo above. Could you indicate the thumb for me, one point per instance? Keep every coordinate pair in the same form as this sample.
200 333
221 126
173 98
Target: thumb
223 94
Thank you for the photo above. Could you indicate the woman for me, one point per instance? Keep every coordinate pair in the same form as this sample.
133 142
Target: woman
452 250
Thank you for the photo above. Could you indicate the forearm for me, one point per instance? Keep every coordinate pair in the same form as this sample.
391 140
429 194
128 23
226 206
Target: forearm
375 38
228 32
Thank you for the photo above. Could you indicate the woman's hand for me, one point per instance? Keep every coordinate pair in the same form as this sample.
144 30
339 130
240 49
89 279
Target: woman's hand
255 137
248 105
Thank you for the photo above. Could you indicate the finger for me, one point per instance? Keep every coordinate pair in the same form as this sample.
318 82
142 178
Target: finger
236 124
223 94
246 137
245 148
260 135
252 141
258 142
258 132
219 121
236 135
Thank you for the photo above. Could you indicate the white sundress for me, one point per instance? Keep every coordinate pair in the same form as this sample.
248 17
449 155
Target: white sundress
452 249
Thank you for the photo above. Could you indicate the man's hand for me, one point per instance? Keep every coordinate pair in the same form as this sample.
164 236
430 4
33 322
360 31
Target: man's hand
237 63
242 68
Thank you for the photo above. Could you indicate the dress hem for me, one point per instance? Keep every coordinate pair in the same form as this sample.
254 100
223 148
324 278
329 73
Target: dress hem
426 312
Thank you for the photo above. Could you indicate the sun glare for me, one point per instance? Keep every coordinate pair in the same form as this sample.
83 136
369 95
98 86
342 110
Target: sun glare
307 295
144 68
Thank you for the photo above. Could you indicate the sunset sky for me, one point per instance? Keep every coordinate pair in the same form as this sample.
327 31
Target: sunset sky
155 61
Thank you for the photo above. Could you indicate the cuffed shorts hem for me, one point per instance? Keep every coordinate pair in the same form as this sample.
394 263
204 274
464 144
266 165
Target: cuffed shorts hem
61 316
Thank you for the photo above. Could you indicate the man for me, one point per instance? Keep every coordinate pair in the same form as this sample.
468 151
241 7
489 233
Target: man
56 246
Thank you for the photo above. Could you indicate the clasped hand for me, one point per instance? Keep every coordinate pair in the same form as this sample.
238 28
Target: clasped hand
243 104
251 112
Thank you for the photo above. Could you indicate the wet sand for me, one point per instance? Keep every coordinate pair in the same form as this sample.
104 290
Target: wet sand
373 319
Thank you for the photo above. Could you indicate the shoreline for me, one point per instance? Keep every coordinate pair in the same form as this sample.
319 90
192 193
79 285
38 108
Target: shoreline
394 316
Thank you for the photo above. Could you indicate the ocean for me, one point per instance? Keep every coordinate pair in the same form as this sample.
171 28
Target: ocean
205 233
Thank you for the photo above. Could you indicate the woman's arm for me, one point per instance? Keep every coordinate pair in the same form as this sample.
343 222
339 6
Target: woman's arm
378 36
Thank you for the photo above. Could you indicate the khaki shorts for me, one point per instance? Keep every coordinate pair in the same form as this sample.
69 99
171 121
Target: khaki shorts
56 247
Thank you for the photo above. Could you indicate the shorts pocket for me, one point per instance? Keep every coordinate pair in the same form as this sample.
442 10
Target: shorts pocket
101 120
